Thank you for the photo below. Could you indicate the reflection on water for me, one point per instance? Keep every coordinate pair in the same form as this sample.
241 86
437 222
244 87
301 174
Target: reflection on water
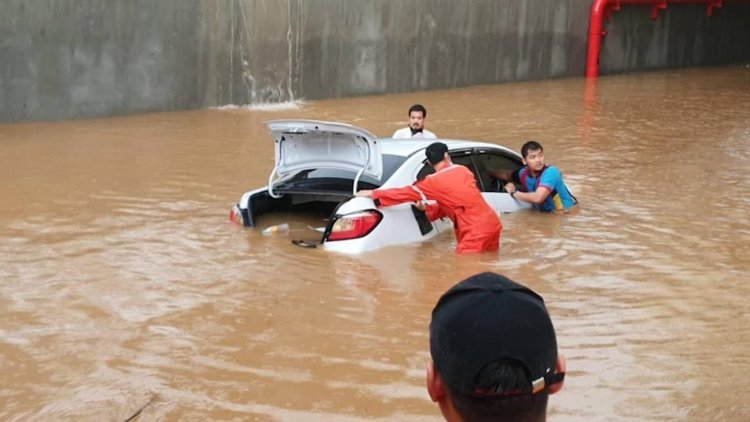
125 287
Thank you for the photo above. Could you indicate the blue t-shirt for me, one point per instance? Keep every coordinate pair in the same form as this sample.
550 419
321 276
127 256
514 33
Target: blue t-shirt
559 198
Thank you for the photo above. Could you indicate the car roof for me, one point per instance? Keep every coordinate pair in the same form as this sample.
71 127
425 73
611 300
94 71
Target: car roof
407 147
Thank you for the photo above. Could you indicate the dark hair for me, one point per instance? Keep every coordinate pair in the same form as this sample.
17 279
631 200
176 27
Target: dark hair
501 380
530 145
435 152
418 107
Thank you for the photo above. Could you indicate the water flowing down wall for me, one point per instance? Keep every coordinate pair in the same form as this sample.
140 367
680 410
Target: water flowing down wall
64 59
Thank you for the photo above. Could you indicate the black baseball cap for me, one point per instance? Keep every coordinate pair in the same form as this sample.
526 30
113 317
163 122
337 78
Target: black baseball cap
488 318
435 152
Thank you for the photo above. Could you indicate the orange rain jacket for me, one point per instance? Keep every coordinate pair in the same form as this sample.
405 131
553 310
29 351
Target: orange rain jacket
476 224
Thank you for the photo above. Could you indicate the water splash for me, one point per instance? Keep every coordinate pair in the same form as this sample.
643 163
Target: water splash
265 106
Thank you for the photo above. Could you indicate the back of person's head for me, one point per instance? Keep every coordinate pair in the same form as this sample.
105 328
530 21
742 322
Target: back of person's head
494 348
506 380
418 107
530 146
435 152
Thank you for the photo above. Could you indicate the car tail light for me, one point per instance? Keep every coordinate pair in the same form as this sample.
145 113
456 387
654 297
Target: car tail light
354 226
235 216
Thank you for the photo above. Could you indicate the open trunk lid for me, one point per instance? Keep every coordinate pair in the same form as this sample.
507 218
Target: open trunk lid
309 144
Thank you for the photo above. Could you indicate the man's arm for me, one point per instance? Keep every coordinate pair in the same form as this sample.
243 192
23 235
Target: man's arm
393 196
433 211
537 197
547 182
364 193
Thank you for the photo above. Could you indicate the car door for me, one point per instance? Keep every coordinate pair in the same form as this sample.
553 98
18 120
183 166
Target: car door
481 161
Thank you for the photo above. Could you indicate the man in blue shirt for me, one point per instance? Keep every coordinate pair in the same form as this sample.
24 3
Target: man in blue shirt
541 185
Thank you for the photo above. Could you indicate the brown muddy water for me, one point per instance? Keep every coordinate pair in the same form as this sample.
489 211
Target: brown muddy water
123 284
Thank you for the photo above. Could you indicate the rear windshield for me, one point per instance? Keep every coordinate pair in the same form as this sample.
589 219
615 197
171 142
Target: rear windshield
390 164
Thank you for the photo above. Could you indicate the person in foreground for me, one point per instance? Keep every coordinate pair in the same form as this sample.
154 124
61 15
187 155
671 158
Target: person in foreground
476 224
494 352
417 116
542 185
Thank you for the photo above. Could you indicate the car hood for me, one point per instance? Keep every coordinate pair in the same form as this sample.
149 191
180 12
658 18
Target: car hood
310 144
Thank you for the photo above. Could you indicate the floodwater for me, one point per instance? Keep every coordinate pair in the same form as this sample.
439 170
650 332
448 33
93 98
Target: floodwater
125 288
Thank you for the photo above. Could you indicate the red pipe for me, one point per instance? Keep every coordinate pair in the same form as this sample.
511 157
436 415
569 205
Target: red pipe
602 8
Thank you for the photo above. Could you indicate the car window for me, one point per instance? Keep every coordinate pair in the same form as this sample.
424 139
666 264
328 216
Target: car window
463 158
391 163
491 161
487 162
480 163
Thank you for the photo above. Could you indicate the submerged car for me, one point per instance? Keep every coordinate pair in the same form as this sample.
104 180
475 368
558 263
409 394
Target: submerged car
320 165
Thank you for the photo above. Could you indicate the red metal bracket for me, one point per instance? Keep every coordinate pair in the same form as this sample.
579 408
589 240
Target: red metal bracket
656 7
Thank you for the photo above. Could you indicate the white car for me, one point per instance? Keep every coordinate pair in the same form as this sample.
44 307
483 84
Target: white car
320 165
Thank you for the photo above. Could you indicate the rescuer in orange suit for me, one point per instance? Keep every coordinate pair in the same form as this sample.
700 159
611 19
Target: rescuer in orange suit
454 187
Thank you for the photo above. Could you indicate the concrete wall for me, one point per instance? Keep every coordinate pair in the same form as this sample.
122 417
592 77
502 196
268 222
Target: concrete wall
80 58
75 58
682 36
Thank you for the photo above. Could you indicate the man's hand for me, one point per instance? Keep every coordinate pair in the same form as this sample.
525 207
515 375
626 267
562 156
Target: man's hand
420 205
510 187
364 193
